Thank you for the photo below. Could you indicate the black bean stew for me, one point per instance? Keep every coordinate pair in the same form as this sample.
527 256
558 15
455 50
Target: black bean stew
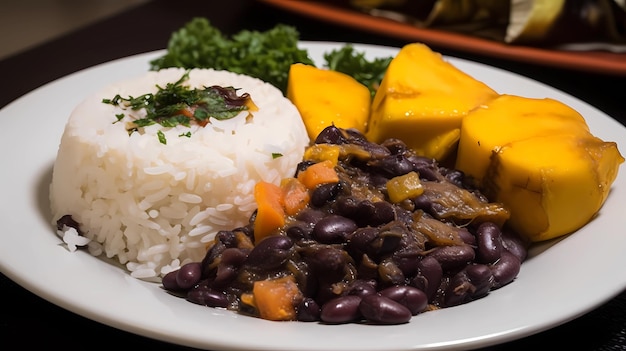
354 255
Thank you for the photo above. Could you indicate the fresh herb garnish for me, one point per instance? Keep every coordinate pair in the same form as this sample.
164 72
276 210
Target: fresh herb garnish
177 104
264 55
276 155
161 137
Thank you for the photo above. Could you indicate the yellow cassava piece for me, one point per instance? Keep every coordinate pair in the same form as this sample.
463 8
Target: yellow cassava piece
510 118
326 97
553 185
422 101
538 158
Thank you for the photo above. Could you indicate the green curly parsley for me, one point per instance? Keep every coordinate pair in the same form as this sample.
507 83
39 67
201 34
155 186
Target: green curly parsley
264 55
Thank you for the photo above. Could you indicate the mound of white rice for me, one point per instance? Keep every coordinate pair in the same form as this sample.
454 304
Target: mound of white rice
154 206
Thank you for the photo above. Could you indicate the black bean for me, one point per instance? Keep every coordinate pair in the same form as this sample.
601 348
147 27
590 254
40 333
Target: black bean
231 259
308 310
410 297
364 212
310 216
188 275
343 309
425 167
453 257
333 229
488 243
515 245
270 253
458 291
234 256
227 237
384 212
423 203
383 310
223 240
299 230
395 165
331 135
224 275
470 284
407 260
429 276
481 277
359 241
390 238
505 269
362 287
324 193
203 295
328 263
346 206
455 177
467 236
169 281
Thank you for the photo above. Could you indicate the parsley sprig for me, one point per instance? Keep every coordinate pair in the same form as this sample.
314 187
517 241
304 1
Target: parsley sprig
177 104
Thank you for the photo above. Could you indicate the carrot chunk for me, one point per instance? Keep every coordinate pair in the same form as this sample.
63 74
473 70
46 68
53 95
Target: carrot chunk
276 299
270 212
295 195
318 173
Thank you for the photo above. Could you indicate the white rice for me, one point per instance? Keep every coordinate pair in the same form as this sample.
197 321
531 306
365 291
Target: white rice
154 206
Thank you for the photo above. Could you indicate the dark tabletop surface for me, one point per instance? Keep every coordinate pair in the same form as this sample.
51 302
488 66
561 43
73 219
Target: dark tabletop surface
29 321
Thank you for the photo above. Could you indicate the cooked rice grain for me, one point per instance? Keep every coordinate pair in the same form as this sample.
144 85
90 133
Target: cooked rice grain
155 206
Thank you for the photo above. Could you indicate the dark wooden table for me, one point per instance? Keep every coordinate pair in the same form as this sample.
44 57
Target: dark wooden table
29 321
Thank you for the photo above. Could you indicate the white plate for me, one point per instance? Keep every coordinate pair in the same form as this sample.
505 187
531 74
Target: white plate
559 282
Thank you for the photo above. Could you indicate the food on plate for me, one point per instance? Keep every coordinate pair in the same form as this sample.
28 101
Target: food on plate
326 97
351 253
152 167
539 158
422 100
418 193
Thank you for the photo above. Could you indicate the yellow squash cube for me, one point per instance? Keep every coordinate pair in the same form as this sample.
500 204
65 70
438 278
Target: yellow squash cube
325 97
552 184
422 100
507 119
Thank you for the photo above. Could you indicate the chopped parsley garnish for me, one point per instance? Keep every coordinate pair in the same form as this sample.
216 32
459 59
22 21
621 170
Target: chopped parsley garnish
177 104
161 137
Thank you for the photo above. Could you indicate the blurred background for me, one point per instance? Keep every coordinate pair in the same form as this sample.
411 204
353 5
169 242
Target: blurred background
26 23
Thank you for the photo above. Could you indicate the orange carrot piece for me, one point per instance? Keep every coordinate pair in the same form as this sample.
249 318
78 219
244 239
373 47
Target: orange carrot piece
295 195
248 299
276 299
318 173
270 212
